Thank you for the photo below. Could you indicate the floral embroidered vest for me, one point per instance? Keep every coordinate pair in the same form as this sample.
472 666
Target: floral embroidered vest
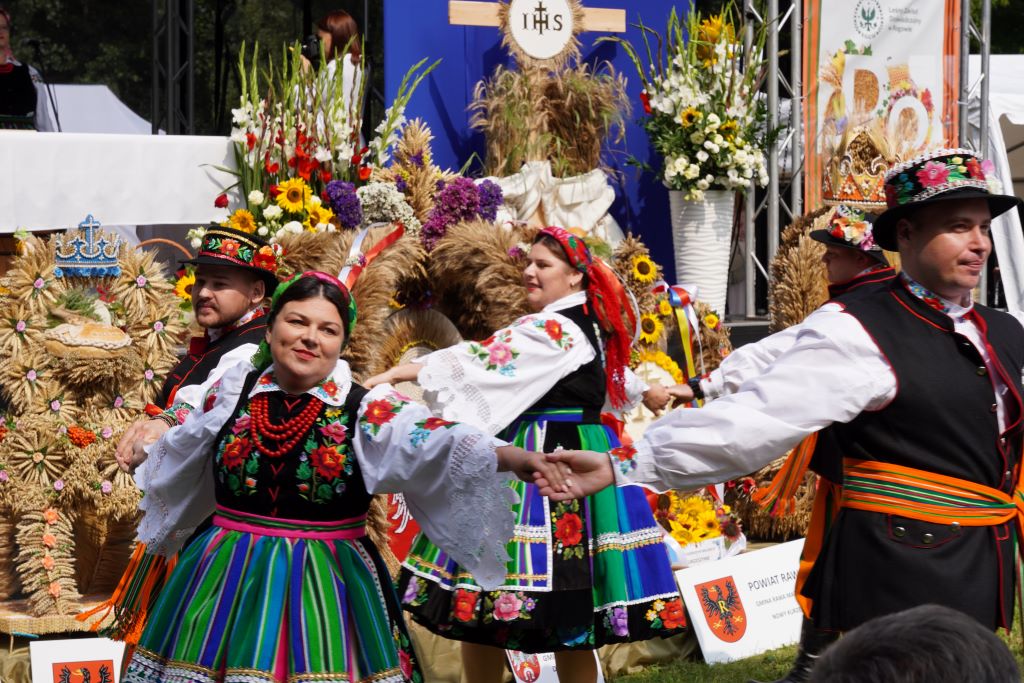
317 479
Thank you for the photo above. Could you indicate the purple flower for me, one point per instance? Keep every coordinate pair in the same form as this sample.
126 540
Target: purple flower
107 432
58 485
31 375
345 203
106 487
55 405
490 199
417 159
141 281
149 374
158 326
411 590
457 201
401 185
20 326
119 401
38 284
516 253
4 477
620 622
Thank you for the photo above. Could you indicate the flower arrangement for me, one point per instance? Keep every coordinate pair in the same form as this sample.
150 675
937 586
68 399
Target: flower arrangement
699 99
458 200
295 132
694 518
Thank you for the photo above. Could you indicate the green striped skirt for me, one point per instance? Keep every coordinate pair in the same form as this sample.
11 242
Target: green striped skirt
261 599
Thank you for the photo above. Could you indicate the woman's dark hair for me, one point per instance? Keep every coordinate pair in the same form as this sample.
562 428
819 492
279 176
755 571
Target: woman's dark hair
310 287
555 248
343 28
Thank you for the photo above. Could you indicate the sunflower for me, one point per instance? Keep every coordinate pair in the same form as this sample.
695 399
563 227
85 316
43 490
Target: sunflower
664 308
183 287
729 129
707 525
292 195
644 269
243 220
690 116
317 214
650 328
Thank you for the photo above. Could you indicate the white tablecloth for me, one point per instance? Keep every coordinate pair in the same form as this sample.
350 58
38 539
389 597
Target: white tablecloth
53 180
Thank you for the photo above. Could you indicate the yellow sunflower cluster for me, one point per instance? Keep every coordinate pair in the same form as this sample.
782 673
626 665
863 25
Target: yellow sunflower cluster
293 195
690 519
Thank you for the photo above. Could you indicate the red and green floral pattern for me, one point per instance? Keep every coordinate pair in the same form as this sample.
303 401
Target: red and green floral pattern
496 353
922 178
626 458
380 412
424 428
567 529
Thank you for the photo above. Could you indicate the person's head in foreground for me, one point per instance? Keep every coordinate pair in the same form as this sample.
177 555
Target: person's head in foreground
311 317
235 273
941 207
926 644
850 247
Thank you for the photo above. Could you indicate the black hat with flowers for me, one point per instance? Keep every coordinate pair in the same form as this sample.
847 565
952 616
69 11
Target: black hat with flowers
938 176
851 228
222 246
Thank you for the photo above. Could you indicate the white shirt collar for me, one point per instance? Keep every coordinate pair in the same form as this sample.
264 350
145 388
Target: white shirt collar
574 299
333 390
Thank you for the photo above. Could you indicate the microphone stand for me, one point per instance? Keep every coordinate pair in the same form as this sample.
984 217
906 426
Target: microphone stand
43 72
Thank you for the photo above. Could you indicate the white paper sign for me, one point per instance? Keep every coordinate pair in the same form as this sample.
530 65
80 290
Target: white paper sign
541 28
96 660
539 668
744 605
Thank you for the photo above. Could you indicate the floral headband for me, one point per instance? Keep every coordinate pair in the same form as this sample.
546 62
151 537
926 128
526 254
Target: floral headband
937 172
574 247
852 226
262 357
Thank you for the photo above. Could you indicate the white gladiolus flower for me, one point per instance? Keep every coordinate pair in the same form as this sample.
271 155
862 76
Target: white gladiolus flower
256 198
272 212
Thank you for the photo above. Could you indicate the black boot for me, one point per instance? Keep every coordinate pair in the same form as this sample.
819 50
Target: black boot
813 642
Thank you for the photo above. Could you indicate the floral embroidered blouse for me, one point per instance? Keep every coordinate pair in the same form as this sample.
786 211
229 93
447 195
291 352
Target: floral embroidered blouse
490 383
370 442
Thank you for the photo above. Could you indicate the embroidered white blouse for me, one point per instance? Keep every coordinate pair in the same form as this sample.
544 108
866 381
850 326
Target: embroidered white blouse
490 383
443 469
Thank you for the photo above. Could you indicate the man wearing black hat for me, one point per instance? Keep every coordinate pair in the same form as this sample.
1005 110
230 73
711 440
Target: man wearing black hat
923 391
235 276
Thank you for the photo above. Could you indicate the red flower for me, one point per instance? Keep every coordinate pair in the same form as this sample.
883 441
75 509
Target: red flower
230 248
329 463
364 173
974 169
568 529
274 190
356 158
672 615
271 168
221 202
265 259
306 167
553 328
624 453
487 342
405 664
330 388
235 453
250 140
379 412
646 100
432 423
464 604
325 175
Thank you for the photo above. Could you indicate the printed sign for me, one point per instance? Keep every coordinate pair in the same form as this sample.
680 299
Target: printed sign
539 668
85 660
541 28
744 605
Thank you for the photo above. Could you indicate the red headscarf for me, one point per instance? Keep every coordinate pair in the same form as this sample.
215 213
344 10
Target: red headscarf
610 300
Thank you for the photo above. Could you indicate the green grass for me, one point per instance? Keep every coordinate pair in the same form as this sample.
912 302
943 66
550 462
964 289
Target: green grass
765 667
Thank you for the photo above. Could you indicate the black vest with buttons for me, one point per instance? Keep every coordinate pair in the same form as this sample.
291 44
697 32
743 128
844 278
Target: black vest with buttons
943 419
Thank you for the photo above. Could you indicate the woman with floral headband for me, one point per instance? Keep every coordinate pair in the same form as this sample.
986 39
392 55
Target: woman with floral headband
584 573
285 452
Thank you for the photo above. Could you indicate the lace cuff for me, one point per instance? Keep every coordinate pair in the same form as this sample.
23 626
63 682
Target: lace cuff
482 501
446 391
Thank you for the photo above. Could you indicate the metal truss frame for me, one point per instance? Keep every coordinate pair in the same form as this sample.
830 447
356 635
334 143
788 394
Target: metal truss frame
173 67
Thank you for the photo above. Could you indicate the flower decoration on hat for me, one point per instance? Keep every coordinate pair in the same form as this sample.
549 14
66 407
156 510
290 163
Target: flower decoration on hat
938 172
852 226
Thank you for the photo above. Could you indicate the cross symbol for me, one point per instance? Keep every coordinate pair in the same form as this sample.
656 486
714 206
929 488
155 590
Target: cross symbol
475 13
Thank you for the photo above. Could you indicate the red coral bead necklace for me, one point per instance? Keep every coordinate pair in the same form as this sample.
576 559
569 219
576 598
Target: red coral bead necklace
288 433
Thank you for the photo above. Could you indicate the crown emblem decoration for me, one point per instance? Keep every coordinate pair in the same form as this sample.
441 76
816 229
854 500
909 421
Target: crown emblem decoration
87 251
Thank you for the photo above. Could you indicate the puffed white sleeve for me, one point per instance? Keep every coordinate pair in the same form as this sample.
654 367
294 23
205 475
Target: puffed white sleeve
448 474
177 476
490 383
832 373
191 395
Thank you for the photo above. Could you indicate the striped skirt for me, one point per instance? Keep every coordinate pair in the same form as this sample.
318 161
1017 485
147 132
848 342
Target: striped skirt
258 599
582 574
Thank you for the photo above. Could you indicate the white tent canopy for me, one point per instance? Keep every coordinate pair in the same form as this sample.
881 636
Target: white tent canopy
1006 150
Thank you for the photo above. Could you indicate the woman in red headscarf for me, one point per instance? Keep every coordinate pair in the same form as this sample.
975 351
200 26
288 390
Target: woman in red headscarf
583 573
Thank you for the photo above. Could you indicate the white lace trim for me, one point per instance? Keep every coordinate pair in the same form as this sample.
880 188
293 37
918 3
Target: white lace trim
484 500
444 377
615 540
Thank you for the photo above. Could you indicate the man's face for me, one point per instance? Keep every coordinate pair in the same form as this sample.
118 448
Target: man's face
843 264
945 245
223 294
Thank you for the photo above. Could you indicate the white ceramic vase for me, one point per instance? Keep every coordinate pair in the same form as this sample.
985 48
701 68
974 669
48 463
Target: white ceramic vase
702 238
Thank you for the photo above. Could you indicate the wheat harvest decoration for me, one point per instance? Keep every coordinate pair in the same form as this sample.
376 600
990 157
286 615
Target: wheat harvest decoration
87 334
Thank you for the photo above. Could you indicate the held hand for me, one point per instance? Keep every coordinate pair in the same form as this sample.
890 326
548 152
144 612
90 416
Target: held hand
680 394
130 453
656 398
591 472
527 465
